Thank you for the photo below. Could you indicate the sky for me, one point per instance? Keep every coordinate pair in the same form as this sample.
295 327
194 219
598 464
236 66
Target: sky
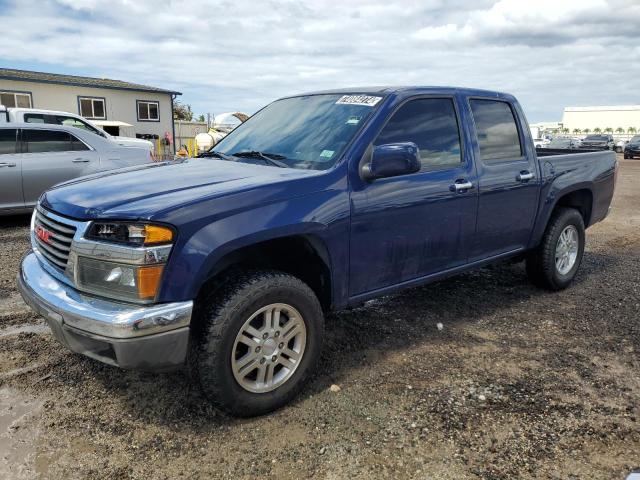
239 55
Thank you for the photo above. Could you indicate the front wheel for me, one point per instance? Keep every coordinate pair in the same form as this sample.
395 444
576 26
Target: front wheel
555 262
256 341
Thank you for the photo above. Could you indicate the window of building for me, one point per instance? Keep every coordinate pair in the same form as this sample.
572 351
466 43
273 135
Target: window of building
41 141
91 107
430 123
7 140
497 131
15 99
148 111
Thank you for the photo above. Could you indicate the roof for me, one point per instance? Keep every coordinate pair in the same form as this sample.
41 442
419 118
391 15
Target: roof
42 77
409 89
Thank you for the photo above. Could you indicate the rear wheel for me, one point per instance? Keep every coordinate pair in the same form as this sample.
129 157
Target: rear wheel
555 262
256 341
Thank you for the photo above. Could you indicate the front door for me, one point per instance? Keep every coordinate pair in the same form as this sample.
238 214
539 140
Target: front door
411 226
50 157
508 181
10 171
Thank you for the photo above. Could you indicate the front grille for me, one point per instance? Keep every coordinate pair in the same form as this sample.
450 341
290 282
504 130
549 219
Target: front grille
53 239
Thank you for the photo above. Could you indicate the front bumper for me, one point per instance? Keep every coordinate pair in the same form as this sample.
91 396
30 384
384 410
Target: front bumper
148 337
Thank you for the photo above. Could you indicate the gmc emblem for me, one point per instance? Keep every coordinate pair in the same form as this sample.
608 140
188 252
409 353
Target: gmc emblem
43 234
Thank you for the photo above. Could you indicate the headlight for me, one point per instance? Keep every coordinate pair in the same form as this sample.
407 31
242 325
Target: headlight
121 260
130 233
117 280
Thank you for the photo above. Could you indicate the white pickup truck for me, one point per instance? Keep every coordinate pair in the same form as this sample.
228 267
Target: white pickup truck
32 115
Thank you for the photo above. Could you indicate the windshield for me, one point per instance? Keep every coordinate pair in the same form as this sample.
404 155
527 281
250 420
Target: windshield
635 139
309 132
599 138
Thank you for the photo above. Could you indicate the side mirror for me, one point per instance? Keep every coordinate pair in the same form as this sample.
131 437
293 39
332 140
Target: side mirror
391 160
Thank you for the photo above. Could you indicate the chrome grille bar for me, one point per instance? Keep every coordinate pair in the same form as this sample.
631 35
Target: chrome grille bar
56 246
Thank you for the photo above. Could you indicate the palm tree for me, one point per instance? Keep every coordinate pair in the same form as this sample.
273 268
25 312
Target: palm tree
619 130
576 131
586 131
608 130
631 130
565 130
597 130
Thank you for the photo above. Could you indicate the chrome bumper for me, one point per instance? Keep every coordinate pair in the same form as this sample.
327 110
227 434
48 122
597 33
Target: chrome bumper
149 337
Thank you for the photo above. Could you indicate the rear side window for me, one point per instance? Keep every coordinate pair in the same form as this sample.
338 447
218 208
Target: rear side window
431 124
496 130
7 140
34 118
38 141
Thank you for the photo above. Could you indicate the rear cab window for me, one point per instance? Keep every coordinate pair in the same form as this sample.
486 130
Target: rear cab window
496 130
430 123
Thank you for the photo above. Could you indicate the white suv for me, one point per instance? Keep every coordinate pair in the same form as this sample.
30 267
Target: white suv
32 115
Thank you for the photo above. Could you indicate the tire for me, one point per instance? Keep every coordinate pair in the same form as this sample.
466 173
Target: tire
542 267
626 157
218 340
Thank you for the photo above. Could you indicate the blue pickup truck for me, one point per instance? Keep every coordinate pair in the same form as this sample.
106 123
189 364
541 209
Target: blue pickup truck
228 263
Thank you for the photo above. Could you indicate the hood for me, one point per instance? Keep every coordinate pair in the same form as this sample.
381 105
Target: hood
132 142
146 191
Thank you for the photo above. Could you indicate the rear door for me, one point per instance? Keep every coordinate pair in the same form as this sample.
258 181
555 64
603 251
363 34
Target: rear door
508 180
50 157
10 170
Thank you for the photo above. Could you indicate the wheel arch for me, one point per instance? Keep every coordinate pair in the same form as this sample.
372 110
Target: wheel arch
304 256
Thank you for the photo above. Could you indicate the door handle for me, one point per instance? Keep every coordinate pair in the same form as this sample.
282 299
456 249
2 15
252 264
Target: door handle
461 186
524 176
7 164
80 160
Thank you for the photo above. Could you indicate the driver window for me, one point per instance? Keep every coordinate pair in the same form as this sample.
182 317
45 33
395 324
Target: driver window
430 123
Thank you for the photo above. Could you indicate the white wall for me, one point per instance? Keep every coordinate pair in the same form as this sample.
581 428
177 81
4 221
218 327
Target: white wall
602 117
119 104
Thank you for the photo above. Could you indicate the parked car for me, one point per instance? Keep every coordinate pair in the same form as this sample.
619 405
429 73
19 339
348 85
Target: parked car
316 203
632 148
33 157
620 144
541 142
598 142
563 143
32 115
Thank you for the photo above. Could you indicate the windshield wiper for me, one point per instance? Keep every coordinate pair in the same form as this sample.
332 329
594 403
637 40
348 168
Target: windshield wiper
213 153
268 158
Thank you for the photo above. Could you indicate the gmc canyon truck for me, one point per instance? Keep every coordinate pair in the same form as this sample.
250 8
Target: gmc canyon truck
318 202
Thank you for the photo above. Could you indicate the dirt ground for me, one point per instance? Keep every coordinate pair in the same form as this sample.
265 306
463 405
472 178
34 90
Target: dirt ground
518 383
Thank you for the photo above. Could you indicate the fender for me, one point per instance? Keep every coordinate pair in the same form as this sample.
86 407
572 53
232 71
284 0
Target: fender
321 217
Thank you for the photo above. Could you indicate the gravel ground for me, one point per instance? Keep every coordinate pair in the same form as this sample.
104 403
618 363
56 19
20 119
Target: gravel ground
515 383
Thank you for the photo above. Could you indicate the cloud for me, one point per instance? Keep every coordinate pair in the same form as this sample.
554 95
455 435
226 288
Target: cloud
238 55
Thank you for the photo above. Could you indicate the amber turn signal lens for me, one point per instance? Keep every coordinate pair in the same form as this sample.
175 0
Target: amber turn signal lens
149 281
157 234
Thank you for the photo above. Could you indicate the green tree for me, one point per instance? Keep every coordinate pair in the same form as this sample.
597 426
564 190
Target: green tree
597 130
576 131
565 130
587 130
631 130
619 130
201 118
182 111
608 130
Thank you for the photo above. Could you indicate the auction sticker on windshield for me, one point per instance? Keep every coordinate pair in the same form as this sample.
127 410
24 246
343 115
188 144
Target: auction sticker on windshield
364 100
